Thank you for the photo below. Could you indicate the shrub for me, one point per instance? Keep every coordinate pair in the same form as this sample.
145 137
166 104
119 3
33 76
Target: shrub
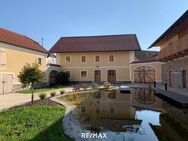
94 86
52 94
74 96
106 85
42 95
62 92
97 94
62 78
112 94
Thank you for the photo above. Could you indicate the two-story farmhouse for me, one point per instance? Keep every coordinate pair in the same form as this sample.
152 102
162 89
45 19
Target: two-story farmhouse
98 58
174 52
15 51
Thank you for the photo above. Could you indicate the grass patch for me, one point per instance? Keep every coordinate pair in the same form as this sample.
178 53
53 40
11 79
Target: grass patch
42 90
34 123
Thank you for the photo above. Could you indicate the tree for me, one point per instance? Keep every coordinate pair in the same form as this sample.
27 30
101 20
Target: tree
29 75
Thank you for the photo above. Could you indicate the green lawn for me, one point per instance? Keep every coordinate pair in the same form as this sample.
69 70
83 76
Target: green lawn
33 123
42 90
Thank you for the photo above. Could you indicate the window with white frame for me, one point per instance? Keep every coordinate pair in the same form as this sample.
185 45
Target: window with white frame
97 58
83 59
67 59
40 61
111 58
83 73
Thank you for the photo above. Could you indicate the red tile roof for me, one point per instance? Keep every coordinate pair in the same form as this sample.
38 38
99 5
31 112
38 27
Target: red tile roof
145 55
127 42
19 40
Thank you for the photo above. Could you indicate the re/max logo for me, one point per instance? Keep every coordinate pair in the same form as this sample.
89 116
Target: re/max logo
94 135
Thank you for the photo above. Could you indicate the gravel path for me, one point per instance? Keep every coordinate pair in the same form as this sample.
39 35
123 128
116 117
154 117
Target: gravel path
8 101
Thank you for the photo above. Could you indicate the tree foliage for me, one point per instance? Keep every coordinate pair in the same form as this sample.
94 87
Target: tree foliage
30 74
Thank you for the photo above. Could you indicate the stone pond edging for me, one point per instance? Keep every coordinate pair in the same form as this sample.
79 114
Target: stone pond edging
71 125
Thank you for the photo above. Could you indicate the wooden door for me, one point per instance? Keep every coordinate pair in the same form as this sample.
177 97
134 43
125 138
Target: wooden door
97 76
184 81
144 74
111 76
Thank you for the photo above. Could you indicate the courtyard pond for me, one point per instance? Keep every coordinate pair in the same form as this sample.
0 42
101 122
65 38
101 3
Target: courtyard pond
135 116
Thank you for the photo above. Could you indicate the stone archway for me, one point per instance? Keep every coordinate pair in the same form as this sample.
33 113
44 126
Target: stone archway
52 77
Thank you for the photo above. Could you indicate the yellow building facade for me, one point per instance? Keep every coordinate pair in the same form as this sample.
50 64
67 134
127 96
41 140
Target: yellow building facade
97 66
13 57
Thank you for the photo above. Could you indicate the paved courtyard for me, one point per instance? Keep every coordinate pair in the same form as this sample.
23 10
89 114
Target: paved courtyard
14 99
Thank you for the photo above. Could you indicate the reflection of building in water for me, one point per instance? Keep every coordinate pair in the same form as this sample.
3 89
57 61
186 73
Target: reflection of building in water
121 112
109 104
113 104
110 110
145 98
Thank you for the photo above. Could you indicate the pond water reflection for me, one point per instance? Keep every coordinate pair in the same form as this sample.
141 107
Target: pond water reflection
138 116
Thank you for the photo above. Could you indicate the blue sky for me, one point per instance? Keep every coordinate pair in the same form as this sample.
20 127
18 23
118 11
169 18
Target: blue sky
52 19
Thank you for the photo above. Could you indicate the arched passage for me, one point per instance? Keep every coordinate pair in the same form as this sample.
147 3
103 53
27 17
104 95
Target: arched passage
52 77
144 74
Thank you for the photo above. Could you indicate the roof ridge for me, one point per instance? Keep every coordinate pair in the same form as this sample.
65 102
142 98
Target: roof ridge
85 36
123 42
20 40
7 30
